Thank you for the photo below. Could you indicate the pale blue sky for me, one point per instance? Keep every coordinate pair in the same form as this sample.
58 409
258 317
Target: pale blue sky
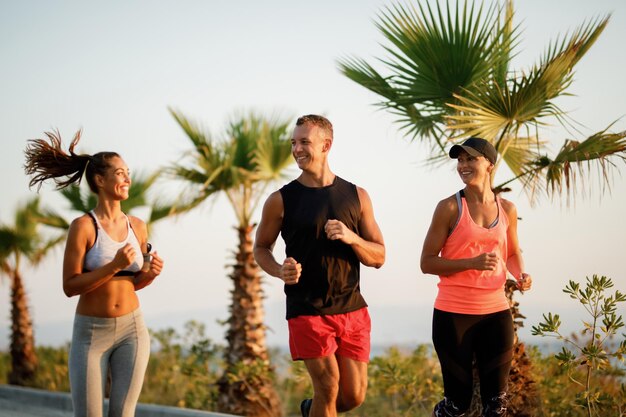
113 68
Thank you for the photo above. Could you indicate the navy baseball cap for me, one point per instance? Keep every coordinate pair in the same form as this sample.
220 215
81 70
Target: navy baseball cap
475 147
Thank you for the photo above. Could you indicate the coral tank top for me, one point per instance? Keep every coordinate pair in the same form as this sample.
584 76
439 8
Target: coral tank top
473 291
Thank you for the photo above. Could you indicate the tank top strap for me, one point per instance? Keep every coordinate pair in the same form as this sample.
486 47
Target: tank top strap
130 224
501 213
459 202
95 220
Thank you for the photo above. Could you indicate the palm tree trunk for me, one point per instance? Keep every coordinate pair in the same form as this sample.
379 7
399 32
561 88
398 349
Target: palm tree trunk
246 387
23 355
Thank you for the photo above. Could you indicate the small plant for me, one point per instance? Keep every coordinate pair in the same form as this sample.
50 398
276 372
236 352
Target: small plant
594 353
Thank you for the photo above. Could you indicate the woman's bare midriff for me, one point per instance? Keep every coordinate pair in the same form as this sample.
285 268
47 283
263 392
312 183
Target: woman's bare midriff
113 299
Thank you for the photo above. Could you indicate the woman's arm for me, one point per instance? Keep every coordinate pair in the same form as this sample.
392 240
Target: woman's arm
443 220
145 277
514 260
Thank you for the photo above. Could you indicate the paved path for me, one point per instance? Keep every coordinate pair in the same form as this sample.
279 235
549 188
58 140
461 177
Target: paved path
28 402
13 409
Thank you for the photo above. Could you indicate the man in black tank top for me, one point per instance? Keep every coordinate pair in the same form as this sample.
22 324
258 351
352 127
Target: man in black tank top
329 229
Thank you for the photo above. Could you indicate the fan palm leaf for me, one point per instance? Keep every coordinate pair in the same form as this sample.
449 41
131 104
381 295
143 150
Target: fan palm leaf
434 55
496 108
448 78
253 152
572 168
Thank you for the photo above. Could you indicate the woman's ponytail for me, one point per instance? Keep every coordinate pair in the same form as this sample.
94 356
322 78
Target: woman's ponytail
47 160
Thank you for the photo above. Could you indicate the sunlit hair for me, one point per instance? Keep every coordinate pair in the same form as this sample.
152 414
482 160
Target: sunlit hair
316 120
46 161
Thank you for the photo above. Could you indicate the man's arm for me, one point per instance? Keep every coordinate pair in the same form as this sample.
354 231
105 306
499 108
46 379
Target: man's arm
266 235
369 247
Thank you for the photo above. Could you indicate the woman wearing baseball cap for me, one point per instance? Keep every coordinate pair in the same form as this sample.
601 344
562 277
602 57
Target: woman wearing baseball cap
471 245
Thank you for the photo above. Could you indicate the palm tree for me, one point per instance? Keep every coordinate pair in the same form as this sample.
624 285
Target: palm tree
19 242
449 77
254 153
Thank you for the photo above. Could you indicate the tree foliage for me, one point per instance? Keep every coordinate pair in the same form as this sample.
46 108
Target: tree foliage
447 76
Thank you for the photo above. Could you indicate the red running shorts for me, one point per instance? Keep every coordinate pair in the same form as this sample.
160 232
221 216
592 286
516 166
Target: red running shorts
346 334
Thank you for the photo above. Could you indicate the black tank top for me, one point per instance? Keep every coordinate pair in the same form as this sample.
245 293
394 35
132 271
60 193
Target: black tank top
329 283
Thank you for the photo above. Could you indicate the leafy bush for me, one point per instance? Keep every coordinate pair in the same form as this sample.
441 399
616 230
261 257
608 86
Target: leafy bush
184 370
592 367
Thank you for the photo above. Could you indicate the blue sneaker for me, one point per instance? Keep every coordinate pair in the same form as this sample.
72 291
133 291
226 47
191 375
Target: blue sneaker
305 407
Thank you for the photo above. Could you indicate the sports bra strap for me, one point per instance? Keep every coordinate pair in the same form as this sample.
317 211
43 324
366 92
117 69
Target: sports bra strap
461 194
95 223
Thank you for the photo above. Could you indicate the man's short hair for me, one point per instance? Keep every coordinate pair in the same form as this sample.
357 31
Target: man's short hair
316 120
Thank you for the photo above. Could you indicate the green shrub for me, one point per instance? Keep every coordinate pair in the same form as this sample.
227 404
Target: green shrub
590 371
184 369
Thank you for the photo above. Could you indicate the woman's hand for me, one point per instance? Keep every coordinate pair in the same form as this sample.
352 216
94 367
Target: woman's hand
485 262
124 257
156 265
524 282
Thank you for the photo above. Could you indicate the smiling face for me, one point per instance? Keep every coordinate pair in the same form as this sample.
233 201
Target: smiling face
115 183
473 169
309 147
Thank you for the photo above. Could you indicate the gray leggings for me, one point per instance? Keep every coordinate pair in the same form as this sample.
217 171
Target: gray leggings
121 343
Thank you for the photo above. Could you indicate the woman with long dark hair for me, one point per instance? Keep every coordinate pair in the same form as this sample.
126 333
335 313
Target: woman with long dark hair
104 266
472 244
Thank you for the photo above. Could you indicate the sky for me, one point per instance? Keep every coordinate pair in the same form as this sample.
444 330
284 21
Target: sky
114 68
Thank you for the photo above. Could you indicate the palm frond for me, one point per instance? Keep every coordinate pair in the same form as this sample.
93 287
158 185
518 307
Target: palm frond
51 218
273 151
570 170
80 199
580 41
505 41
138 193
7 242
435 54
42 250
197 137
495 108
253 149
510 107
25 238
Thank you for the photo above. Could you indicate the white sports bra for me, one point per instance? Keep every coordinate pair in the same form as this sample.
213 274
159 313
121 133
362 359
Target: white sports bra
104 249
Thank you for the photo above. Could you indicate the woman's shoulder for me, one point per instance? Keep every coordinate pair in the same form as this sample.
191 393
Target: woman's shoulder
508 206
136 222
448 205
83 227
447 210
83 221
510 210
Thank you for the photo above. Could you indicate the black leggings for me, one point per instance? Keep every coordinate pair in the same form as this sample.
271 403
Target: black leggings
458 338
